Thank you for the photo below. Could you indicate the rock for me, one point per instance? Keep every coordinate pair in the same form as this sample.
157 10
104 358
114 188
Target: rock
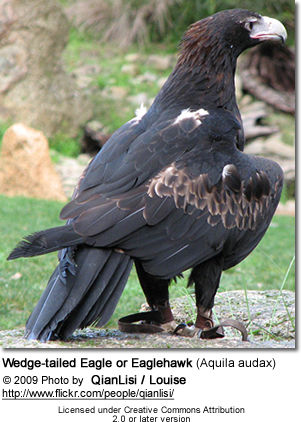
133 57
272 146
161 81
269 312
253 115
146 77
34 88
84 75
25 165
114 339
268 73
131 69
238 87
159 62
286 209
276 150
70 170
115 92
270 326
139 99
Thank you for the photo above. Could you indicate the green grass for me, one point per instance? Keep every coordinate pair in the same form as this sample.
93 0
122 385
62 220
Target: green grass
3 127
286 124
65 145
83 50
266 268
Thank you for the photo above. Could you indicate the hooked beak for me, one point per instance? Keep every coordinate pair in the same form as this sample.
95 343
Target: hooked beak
268 29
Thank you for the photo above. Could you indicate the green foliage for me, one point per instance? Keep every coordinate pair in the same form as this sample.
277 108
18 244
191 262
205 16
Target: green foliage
65 145
266 267
3 127
286 124
186 12
19 217
78 49
145 21
114 112
23 281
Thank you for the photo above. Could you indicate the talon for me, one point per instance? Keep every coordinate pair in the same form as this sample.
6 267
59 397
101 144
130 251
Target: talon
214 332
185 331
179 327
199 333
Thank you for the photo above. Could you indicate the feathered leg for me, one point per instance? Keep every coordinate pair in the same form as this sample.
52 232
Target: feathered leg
205 277
157 296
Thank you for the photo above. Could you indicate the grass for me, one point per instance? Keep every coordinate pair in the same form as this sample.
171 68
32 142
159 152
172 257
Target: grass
164 19
22 281
84 50
286 124
3 127
65 145
266 266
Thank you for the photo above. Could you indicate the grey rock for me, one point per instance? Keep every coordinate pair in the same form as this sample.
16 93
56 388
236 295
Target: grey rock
276 150
139 99
160 62
133 57
130 68
70 170
269 316
273 146
34 87
146 77
115 92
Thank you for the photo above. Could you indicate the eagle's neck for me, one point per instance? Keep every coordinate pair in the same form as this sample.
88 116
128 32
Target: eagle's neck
203 75
207 82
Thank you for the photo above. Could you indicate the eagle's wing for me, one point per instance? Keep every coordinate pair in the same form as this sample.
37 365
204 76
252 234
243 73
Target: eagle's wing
132 156
198 201
138 150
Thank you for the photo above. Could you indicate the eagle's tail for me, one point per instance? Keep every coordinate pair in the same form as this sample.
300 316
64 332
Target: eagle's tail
82 297
46 241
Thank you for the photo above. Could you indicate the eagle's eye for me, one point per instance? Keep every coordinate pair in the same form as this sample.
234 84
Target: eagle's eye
249 24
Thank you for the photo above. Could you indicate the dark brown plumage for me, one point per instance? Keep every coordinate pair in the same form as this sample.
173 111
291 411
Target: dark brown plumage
170 190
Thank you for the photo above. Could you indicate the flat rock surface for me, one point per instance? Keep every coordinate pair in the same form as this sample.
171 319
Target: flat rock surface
268 315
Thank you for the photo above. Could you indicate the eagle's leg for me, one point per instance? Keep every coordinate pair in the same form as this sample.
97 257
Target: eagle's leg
157 296
205 277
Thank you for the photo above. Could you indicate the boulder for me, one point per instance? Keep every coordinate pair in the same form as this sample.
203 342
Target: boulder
25 165
270 321
274 148
268 73
70 170
160 63
34 87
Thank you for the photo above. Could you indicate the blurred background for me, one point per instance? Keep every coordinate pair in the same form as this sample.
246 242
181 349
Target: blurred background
72 72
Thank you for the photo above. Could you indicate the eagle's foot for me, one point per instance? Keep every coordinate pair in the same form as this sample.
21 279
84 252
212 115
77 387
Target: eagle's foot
204 327
159 319
185 330
193 331
209 331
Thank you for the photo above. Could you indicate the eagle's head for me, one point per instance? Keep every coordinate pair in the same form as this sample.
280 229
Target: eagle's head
231 31
242 29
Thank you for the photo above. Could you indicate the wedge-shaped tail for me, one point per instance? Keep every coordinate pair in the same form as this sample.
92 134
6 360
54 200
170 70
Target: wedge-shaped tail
46 241
89 296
